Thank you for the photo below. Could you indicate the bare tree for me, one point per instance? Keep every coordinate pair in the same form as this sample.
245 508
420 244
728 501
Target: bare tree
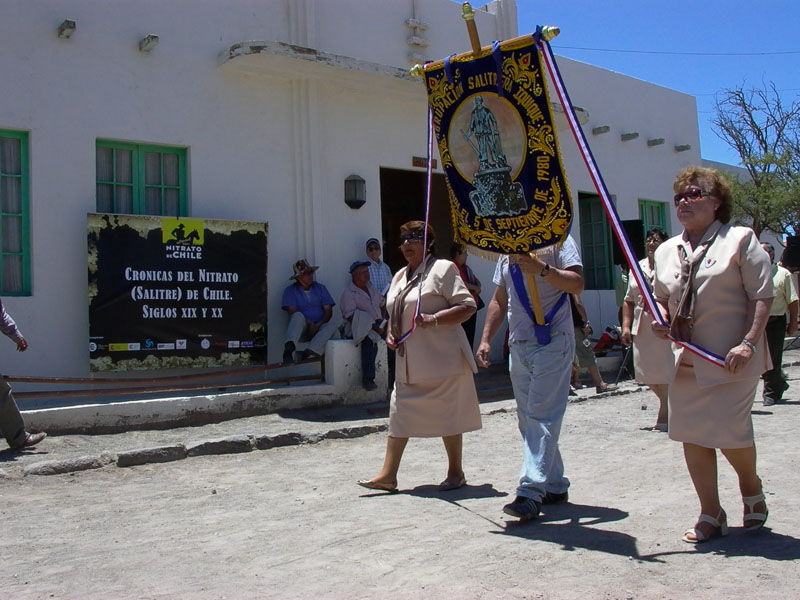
765 132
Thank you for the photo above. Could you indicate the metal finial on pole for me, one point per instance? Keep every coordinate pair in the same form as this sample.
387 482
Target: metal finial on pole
468 14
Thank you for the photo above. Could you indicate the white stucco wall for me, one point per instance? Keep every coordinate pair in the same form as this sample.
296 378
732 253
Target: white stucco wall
265 142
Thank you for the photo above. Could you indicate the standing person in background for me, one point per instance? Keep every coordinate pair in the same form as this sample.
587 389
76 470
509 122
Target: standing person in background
540 365
583 345
380 276
713 286
458 254
12 424
775 383
620 287
652 356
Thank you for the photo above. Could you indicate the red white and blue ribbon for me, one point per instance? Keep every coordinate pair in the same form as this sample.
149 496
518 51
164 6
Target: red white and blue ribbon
428 181
608 205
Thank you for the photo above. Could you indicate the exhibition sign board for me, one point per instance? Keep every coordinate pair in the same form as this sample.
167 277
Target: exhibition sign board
174 292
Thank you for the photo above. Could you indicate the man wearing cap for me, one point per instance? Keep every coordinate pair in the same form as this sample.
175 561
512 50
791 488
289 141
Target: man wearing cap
778 327
12 426
380 276
310 307
361 308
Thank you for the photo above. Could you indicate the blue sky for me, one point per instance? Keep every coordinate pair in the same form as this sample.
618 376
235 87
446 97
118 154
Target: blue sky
705 27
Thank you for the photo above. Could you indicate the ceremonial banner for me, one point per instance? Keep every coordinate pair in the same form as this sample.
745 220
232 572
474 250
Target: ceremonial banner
169 292
498 147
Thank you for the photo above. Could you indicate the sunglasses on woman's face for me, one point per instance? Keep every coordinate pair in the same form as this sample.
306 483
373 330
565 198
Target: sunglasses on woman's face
411 238
690 196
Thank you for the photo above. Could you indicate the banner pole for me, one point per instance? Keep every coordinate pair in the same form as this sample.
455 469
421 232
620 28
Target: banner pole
536 304
468 14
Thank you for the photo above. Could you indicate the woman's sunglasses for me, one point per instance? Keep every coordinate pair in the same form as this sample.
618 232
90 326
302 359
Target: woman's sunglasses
410 237
690 195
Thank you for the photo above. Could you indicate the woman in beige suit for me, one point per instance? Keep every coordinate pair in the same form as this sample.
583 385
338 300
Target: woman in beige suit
713 285
434 393
652 356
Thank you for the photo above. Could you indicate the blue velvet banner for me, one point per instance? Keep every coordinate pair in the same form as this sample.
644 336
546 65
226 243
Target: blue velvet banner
497 143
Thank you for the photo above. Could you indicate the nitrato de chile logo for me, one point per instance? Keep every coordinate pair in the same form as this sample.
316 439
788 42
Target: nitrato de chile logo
182 238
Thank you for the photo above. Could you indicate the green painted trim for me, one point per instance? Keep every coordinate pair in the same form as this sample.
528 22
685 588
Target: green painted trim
138 152
645 212
24 149
602 275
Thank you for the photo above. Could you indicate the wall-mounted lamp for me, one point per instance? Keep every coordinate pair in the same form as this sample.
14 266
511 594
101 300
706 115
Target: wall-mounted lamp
682 147
627 137
148 42
66 29
355 191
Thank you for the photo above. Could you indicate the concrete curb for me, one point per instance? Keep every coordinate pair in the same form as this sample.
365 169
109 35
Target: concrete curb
58 467
618 392
232 444
144 456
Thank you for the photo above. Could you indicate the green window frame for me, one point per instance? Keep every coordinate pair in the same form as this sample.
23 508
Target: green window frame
140 179
15 230
653 214
596 248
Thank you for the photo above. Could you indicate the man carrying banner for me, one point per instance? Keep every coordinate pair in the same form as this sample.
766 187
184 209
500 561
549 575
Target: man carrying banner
540 369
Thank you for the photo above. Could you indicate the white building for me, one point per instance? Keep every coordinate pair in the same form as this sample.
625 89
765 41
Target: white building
269 131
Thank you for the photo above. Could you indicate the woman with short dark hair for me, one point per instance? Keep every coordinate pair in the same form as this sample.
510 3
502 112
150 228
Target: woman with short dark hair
434 393
652 356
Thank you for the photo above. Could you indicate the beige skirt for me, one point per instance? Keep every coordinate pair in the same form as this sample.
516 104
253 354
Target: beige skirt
712 417
653 359
434 409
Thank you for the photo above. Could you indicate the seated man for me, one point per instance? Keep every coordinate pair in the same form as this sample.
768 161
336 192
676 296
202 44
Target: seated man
361 309
310 308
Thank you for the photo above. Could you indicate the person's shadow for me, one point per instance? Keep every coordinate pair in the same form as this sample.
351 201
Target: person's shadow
12 454
765 544
574 526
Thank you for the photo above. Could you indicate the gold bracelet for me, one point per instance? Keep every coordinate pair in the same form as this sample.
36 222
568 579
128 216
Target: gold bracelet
435 320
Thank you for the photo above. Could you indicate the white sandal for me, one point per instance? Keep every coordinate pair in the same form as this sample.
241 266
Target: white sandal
750 502
720 528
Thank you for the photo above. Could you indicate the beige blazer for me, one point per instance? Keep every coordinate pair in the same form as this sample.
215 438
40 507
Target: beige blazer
735 270
433 353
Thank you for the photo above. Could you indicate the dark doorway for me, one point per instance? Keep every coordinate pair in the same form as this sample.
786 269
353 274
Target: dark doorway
402 200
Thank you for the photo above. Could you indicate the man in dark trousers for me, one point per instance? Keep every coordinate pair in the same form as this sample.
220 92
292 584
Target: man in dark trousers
12 426
778 327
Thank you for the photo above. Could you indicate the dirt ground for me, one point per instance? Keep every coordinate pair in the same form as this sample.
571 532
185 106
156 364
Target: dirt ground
291 522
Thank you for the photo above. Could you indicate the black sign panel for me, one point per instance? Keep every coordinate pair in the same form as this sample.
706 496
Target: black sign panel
173 292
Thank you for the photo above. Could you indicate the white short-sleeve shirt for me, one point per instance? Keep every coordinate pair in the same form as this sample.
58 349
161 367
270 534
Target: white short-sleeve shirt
519 323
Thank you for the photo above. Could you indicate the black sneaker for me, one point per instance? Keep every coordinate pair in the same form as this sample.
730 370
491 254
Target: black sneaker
551 498
288 353
523 508
369 384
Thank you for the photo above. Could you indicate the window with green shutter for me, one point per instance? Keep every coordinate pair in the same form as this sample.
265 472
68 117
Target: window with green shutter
596 249
15 275
140 179
653 214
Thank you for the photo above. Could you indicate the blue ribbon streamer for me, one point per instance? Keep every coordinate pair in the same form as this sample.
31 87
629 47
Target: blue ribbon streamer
542 331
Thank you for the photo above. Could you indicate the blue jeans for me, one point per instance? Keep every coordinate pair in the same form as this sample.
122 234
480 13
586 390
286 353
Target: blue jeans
540 376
